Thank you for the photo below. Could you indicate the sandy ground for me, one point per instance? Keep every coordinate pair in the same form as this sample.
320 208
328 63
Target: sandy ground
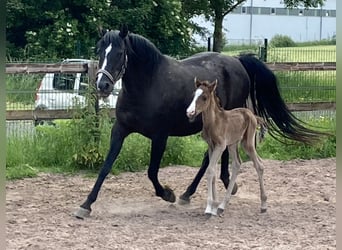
127 215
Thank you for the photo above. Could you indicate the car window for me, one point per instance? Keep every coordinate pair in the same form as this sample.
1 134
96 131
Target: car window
64 81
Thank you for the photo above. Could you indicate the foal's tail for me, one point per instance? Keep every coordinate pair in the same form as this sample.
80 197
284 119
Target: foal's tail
268 103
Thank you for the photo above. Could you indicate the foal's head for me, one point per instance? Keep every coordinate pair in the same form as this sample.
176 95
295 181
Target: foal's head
201 100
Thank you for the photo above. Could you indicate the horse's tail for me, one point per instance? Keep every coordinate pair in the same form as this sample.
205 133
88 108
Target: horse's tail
268 103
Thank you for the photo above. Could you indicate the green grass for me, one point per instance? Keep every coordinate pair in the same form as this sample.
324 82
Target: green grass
21 88
322 53
273 149
308 86
317 53
53 150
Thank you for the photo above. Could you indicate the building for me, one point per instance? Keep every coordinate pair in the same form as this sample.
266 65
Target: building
256 20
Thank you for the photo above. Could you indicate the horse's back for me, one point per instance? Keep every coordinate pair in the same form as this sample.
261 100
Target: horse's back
233 79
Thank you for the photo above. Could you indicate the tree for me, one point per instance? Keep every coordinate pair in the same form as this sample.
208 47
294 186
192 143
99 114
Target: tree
216 10
41 29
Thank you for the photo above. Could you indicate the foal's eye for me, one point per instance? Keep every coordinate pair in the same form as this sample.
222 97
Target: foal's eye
204 98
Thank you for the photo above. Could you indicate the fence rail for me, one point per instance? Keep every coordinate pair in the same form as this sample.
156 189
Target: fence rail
70 113
34 68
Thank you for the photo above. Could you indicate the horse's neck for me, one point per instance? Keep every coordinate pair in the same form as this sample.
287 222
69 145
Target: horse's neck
140 72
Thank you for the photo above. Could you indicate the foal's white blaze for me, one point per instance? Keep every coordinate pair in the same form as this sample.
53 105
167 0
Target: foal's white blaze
192 107
108 49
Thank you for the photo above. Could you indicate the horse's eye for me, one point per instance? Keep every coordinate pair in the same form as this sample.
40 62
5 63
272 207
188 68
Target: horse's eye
204 98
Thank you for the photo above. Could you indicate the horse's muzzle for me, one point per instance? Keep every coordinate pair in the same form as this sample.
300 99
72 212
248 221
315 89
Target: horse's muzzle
104 88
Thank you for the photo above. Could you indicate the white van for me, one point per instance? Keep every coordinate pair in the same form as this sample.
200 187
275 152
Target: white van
66 90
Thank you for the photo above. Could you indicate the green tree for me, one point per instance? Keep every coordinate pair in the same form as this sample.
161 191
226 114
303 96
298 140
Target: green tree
41 29
216 10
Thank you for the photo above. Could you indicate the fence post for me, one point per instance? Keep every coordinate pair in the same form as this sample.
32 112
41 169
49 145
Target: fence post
209 44
263 51
92 70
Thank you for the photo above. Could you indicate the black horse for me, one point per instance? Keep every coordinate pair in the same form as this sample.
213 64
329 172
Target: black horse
156 90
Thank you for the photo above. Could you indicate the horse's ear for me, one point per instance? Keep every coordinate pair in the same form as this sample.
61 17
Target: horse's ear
101 31
123 31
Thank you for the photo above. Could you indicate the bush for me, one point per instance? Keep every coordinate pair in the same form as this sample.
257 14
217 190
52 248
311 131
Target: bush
282 41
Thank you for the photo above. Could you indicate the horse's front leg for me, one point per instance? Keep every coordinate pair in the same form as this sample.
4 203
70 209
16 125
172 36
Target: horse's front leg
118 135
185 197
157 151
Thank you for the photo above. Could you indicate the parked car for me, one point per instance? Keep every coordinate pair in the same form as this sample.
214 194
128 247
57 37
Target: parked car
67 90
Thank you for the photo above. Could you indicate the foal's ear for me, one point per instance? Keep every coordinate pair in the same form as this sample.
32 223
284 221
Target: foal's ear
212 86
197 82
123 31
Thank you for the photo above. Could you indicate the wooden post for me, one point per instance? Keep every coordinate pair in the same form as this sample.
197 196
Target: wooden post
92 70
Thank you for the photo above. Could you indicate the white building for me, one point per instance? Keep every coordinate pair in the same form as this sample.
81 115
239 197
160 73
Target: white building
260 19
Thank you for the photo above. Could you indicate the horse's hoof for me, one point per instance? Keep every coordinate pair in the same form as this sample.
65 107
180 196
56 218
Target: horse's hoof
184 200
82 213
235 189
263 210
169 195
220 212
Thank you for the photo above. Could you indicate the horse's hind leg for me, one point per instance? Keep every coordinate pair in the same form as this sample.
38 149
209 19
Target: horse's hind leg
224 176
117 137
235 170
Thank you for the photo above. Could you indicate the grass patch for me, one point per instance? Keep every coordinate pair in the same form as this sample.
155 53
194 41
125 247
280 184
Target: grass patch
51 149
325 53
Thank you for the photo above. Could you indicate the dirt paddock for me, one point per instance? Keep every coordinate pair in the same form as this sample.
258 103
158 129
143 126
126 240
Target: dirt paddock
127 215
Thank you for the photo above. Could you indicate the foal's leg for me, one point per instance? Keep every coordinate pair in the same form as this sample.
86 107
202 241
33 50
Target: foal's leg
235 171
257 163
185 197
211 180
118 135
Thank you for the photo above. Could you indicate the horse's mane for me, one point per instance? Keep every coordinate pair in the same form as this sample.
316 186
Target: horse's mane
144 49
136 45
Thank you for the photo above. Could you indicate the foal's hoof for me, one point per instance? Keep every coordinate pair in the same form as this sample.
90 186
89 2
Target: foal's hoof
263 210
82 213
184 199
208 216
235 189
220 212
169 195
